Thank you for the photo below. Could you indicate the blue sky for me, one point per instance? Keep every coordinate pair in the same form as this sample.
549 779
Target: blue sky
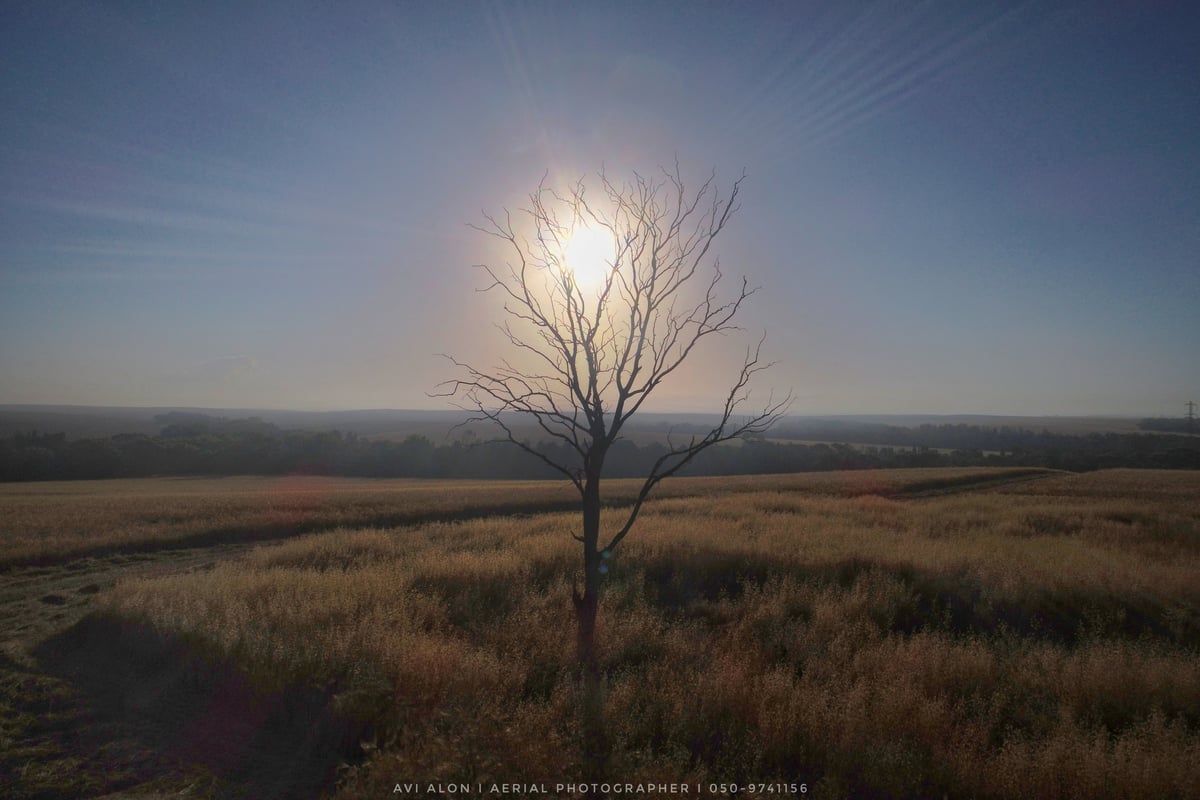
950 207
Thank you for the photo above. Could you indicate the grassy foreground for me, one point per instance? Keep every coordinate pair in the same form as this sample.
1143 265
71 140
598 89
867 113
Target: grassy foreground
1034 640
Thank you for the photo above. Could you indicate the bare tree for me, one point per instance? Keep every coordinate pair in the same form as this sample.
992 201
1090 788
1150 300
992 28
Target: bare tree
587 352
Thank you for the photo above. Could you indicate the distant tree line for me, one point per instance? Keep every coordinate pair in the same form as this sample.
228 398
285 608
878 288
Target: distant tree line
960 436
194 444
1169 425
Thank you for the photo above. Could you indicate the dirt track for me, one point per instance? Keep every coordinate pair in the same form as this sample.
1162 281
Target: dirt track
54 739
36 602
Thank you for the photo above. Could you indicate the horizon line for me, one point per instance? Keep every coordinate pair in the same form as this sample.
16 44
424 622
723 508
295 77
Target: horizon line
412 410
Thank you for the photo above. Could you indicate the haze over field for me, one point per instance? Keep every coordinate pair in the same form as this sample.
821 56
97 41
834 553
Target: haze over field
951 208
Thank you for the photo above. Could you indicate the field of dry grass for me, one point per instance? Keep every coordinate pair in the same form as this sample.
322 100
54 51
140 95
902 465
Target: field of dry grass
902 634
910 633
54 521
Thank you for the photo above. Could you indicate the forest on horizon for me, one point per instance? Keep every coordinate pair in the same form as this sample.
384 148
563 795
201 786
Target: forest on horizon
199 444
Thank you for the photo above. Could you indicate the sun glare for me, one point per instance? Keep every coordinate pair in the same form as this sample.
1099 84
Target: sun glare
588 256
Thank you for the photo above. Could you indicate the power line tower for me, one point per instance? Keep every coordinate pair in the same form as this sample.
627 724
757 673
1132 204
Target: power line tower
1191 416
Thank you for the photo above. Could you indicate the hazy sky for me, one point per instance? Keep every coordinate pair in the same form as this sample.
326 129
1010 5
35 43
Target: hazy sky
951 207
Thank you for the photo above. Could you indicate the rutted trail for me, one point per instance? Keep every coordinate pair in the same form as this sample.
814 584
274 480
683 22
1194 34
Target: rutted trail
36 602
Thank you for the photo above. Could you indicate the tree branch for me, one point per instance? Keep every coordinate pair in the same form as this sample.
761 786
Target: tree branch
585 359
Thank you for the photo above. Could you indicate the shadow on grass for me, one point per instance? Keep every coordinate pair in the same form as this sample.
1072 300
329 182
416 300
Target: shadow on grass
687 583
201 713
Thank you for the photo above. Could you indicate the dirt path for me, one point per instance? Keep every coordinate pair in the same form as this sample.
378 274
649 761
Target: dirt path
976 485
54 741
37 602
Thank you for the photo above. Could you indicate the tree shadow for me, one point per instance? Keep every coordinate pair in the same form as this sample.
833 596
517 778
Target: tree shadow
688 582
201 713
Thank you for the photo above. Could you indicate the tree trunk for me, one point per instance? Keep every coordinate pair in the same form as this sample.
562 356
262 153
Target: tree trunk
595 744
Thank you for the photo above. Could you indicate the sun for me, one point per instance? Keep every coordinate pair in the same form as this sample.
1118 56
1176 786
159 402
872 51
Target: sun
588 256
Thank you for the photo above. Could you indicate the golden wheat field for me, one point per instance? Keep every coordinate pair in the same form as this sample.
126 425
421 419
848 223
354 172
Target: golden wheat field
913 634
53 521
